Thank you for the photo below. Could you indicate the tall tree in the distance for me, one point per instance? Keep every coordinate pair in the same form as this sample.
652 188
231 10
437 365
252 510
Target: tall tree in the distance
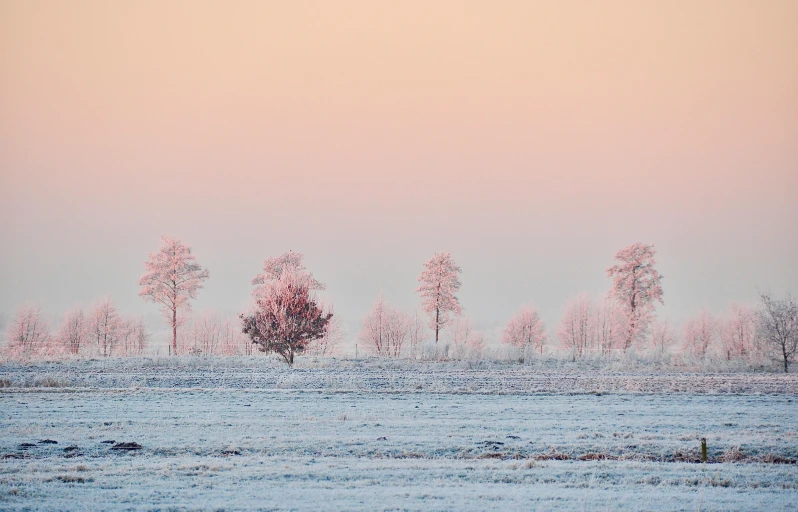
636 287
439 283
172 278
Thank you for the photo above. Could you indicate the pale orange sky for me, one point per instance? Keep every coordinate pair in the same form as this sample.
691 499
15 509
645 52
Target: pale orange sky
531 139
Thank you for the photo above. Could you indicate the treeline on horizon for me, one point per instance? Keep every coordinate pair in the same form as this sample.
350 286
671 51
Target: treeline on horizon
288 318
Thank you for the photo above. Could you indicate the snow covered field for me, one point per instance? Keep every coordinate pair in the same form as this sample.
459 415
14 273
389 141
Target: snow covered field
375 435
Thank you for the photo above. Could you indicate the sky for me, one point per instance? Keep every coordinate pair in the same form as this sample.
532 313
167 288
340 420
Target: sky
529 139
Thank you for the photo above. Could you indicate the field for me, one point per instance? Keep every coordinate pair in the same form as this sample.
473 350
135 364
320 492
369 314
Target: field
380 435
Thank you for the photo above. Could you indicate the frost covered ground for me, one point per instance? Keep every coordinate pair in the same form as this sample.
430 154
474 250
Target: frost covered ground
374 435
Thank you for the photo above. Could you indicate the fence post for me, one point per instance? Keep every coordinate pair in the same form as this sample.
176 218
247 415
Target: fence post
703 450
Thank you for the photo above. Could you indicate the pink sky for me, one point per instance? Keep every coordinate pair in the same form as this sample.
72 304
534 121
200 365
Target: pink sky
530 139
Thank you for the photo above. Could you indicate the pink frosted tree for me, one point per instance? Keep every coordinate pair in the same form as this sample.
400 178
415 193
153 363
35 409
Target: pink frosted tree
738 332
663 337
133 338
385 329
203 335
334 335
274 267
417 332
105 327
439 283
73 332
699 335
577 329
464 340
287 316
636 287
610 326
235 342
28 334
172 278
526 331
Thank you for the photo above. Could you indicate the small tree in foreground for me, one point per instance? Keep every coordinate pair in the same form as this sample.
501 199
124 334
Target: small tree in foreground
287 317
172 278
778 328
439 283
526 331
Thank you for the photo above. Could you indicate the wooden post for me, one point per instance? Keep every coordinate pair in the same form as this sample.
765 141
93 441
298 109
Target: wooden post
703 450
355 350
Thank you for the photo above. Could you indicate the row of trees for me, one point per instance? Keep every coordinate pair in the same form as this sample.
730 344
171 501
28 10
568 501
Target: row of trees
623 320
288 318
100 331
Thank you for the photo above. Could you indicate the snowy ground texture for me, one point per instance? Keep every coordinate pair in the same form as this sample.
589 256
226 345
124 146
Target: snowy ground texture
372 435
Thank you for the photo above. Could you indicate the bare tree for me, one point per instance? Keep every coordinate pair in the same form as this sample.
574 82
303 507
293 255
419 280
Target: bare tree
139 336
28 334
172 279
464 340
398 331
73 332
737 329
417 333
577 329
203 335
105 327
385 329
287 317
235 342
699 334
663 337
526 331
778 328
334 335
133 337
611 325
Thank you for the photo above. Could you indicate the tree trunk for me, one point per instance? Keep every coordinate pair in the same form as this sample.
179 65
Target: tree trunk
437 323
174 330
786 359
